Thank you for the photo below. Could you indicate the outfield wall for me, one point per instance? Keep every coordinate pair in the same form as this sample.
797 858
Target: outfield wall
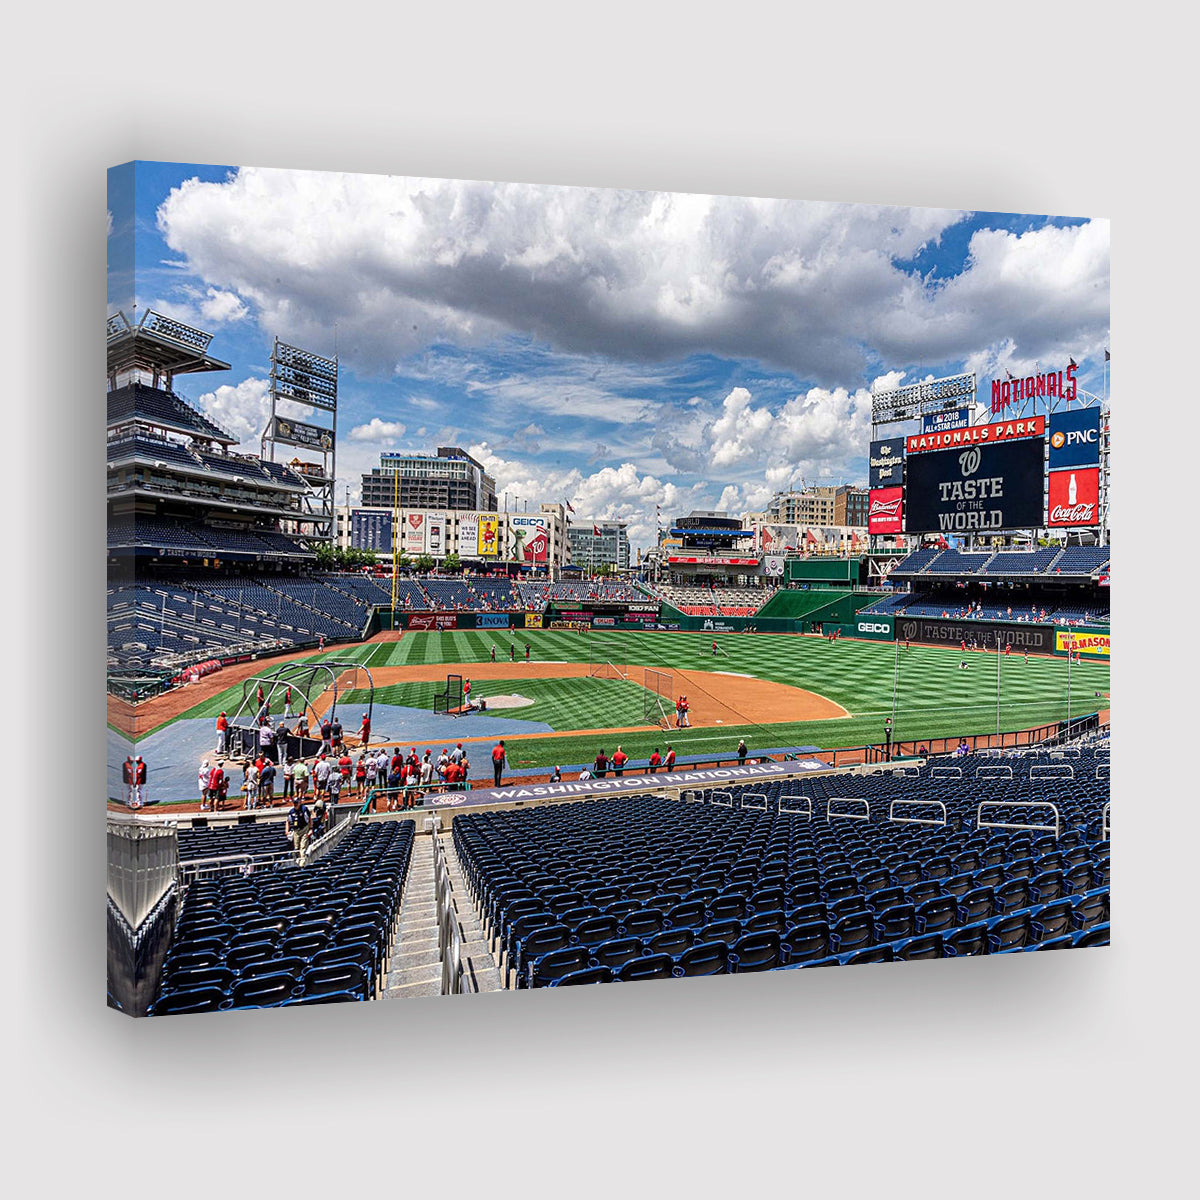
1037 638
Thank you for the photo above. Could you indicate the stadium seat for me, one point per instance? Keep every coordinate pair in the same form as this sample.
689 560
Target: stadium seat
705 958
1097 935
263 990
584 976
194 1000
926 946
334 978
1009 932
557 963
966 940
804 942
937 915
616 953
651 966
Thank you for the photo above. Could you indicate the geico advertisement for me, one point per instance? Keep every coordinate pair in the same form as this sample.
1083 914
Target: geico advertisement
1083 643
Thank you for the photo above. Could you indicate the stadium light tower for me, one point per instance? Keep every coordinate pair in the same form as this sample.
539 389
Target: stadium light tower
310 381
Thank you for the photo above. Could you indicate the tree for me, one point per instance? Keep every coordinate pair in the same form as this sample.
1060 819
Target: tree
425 564
452 564
403 563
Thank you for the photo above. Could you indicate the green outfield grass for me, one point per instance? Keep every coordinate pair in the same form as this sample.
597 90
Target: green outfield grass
934 698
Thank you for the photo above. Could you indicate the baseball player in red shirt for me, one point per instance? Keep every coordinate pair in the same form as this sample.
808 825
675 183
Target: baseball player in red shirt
365 730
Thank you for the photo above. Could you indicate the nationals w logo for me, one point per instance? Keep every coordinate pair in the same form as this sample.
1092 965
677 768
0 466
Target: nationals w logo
968 461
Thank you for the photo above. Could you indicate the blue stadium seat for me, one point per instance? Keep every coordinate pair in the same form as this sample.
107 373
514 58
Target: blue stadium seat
651 966
704 958
617 952
584 976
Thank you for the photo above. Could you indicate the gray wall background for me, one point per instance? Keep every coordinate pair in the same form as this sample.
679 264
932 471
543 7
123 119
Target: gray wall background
1076 110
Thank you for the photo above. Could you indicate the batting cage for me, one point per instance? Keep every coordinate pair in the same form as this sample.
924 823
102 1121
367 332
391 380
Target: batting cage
658 688
451 700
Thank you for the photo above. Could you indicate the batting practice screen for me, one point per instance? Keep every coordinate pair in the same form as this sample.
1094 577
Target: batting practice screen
975 489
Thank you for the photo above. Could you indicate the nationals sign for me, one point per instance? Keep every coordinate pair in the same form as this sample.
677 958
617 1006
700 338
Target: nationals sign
885 510
977 435
1074 497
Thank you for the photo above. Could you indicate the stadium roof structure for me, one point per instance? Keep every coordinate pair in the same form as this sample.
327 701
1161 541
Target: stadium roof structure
160 345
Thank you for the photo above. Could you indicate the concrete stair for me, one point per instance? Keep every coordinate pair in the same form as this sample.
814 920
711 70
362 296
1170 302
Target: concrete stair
415 966
480 969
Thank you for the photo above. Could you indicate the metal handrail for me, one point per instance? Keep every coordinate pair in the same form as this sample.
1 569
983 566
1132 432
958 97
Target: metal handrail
916 820
945 773
799 812
230 864
747 796
1106 768
996 771
727 802
980 823
1106 821
830 814
1052 771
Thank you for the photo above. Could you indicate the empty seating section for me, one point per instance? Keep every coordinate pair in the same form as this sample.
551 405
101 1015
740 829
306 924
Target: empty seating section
210 540
1021 562
287 934
714 601
917 561
222 841
650 887
1082 560
137 401
955 562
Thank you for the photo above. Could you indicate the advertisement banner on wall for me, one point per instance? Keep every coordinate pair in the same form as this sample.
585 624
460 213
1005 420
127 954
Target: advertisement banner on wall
1038 638
534 620
435 535
1075 438
1074 497
886 463
976 489
885 510
1095 644
414 533
433 620
875 626
491 620
488 545
468 535
773 564
371 530
530 539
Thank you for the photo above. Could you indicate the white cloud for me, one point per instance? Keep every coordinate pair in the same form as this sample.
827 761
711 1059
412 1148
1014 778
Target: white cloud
241 410
816 436
383 432
402 263
221 308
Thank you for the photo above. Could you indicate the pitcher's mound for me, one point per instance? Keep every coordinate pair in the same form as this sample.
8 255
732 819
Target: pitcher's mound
510 701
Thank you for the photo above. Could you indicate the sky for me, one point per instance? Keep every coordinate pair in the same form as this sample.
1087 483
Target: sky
614 349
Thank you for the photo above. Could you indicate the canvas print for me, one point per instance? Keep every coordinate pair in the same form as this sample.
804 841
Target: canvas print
514 586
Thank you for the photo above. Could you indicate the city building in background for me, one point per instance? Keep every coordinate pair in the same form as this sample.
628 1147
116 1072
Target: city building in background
450 479
596 544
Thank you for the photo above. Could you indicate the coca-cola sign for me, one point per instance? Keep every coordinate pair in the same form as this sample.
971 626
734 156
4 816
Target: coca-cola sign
1074 498
885 510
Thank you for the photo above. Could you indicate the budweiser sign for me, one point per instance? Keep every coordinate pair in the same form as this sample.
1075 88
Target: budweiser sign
884 510
1074 497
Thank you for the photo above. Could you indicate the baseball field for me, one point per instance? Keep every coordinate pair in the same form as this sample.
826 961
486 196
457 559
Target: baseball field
581 691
